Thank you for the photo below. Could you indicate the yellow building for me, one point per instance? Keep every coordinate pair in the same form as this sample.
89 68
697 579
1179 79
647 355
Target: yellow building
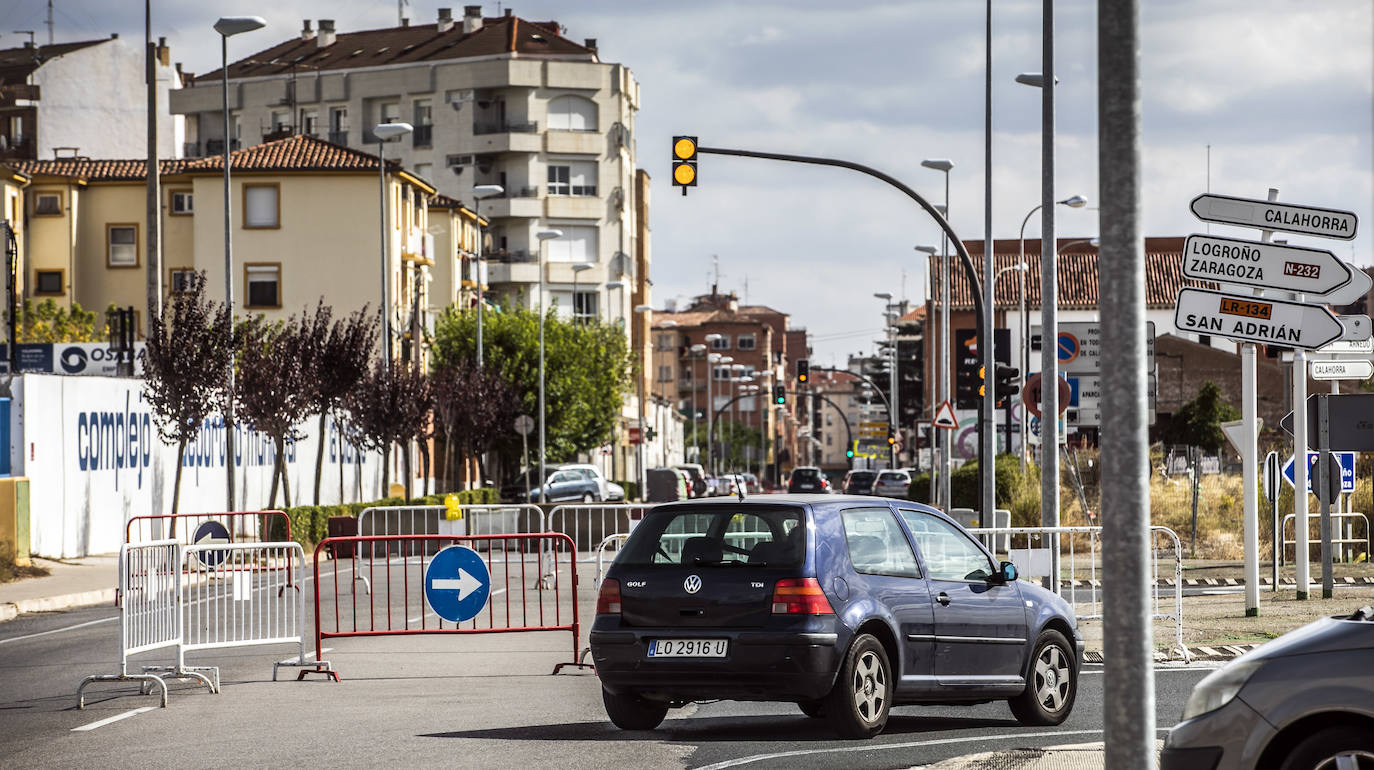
306 225
12 184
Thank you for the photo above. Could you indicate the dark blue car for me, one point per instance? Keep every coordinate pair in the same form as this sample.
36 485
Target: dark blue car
846 606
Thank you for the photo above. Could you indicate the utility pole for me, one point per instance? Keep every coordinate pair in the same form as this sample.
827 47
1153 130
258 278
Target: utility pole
154 212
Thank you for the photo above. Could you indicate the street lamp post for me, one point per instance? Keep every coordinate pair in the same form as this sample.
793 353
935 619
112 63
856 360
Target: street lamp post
544 237
946 443
227 27
383 132
643 434
578 270
711 361
478 193
928 343
695 352
886 297
617 285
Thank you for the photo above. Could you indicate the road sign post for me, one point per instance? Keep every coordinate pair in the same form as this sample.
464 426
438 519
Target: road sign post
1271 491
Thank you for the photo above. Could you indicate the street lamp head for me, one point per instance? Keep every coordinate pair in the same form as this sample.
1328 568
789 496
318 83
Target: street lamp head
582 267
385 131
1034 79
615 284
927 250
727 359
939 164
713 358
698 348
887 295
229 26
545 235
644 308
667 324
712 337
1094 242
1075 202
487 191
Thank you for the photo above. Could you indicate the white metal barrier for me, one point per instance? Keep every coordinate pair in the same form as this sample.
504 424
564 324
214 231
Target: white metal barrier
496 519
1340 542
589 525
617 540
1082 566
150 615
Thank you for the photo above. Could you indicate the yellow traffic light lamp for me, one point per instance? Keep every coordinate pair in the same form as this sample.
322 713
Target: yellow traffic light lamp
684 162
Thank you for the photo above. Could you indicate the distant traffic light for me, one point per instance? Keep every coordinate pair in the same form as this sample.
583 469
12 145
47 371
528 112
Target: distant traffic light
803 370
1006 377
849 453
891 439
684 162
780 394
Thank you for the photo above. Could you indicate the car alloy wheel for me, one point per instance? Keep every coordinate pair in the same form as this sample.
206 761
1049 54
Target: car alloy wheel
1052 679
1339 747
857 706
869 685
1051 682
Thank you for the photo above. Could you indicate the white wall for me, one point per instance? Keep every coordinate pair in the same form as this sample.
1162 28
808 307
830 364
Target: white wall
85 484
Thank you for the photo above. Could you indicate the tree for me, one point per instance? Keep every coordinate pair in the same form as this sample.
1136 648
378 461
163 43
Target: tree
587 372
737 443
390 406
474 406
272 391
340 363
184 367
1198 422
50 322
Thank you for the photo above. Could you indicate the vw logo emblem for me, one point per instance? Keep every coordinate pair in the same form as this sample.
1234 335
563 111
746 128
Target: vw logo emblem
692 584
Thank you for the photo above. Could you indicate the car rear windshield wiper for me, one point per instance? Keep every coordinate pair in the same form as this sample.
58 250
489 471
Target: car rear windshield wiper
698 561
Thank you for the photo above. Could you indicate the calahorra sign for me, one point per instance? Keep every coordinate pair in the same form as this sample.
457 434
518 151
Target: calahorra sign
1268 321
1262 264
1269 215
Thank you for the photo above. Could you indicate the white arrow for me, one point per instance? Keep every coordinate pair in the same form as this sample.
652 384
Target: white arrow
464 585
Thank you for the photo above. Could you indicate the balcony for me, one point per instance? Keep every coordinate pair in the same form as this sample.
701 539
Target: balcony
481 128
11 95
338 137
574 207
517 202
22 148
512 267
575 142
423 136
190 150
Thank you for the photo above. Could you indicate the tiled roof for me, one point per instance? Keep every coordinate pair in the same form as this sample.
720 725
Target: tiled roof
694 318
100 170
1077 269
400 45
294 153
441 201
16 64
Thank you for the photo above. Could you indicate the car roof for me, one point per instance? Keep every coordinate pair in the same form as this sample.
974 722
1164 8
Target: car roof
808 499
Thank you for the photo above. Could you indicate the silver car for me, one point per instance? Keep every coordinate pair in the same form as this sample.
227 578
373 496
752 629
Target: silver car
1304 701
892 484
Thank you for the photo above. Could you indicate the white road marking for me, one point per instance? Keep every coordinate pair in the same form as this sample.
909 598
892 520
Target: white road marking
1184 667
114 718
58 630
310 654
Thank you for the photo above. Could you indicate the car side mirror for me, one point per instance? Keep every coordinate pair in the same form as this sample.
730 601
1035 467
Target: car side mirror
1007 571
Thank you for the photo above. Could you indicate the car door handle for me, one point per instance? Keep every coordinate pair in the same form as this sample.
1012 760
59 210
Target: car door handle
943 599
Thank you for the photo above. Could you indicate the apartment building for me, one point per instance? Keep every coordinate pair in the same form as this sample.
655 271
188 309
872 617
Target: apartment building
85 98
494 101
297 232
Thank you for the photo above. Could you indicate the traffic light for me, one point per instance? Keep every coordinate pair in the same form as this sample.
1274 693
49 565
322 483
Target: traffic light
780 394
803 370
968 374
1006 384
849 453
684 162
891 438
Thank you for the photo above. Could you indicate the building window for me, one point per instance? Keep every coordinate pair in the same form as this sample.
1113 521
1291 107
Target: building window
47 204
49 282
573 178
584 306
390 112
572 113
745 342
121 245
179 279
310 122
16 130
338 125
279 122
577 244
721 372
723 343
424 170
424 112
261 206
665 373
182 203
263 280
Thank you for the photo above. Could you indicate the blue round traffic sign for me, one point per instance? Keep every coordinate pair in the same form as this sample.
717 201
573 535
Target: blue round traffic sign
1068 348
211 533
457 583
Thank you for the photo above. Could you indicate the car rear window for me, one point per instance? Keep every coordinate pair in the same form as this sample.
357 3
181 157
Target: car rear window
892 476
718 536
861 475
806 474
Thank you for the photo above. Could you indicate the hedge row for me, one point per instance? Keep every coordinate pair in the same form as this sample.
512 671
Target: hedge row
310 523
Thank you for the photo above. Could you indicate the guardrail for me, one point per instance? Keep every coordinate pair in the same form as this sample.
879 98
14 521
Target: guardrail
1339 542
242 526
1165 547
395 604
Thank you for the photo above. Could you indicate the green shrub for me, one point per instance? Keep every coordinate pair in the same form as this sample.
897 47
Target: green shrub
1014 491
631 489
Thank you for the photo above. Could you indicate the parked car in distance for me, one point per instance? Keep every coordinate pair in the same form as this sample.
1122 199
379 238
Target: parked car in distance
698 475
603 487
846 606
892 484
1302 701
561 486
667 485
808 478
859 482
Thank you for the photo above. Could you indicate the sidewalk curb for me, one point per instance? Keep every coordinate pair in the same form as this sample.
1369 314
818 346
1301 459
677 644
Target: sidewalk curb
12 610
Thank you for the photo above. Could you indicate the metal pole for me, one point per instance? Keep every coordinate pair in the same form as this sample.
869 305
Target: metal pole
1049 302
1025 324
228 279
542 478
154 266
384 328
1249 477
710 408
987 420
1272 471
1128 697
946 436
1324 487
477 209
892 407
1300 485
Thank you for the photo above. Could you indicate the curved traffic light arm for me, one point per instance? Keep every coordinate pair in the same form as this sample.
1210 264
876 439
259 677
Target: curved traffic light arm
868 381
848 431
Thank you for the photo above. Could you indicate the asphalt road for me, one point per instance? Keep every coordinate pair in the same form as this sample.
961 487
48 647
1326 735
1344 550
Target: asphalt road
481 700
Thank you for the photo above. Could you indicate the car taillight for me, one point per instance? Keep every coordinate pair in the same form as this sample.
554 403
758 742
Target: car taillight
608 598
800 596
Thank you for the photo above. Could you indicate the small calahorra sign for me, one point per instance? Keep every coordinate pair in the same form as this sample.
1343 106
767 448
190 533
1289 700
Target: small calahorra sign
1252 319
1262 264
1271 215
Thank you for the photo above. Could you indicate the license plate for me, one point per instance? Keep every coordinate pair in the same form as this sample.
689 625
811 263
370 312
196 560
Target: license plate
688 648
806 486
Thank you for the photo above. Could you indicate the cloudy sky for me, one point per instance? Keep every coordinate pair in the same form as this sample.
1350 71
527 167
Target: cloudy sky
1279 89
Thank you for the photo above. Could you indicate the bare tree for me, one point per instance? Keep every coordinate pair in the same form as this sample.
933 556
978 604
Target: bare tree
340 363
390 406
272 390
475 408
184 367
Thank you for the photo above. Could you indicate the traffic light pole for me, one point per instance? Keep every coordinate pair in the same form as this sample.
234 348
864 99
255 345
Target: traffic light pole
848 431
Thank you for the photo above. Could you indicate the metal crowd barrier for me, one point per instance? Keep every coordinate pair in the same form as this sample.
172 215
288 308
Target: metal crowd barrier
150 616
589 525
243 526
1081 564
395 605
1339 542
496 519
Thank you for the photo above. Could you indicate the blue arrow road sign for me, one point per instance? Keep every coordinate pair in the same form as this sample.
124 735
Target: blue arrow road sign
211 533
1347 460
457 583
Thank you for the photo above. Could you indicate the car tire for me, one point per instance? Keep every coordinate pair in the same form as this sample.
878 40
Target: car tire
588 497
631 712
1322 749
813 708
1052 684
858 705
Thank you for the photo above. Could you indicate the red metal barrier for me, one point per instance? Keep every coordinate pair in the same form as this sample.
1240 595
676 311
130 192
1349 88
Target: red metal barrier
392 602
242 526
